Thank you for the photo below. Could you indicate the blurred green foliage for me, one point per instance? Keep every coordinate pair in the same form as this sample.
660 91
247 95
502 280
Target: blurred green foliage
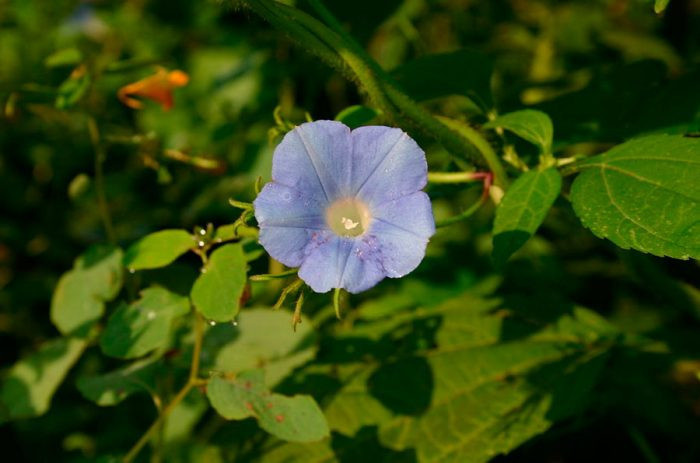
573 350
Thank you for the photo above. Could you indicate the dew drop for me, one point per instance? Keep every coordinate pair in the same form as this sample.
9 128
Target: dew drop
234 322
202 232
131 270
203 270
151 315
200 244
212 323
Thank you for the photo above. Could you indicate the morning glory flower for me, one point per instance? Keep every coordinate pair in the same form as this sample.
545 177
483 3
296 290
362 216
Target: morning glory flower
345 206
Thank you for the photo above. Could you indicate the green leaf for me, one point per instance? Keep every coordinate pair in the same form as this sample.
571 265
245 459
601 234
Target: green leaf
158 249
184 417
217 291
462 72
80 295
529 124
265 339
64 57
498 376
137 329
660 5
644 195
357 116
296 419
72 90
31 382
522 211
113 387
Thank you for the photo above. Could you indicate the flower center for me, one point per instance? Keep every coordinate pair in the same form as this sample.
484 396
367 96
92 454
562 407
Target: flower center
348 217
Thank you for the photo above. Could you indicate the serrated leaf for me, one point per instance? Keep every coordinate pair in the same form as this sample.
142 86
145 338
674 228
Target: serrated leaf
80 295
113 387
357 116
158 249
295 419
136 329
494 381
644 195
218 290
462 72
523 210
265 339
28 388
529 124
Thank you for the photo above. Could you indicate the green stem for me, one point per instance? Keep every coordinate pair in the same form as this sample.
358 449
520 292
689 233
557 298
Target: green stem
336 302
192 381
485 149
100 156
455 177
273 276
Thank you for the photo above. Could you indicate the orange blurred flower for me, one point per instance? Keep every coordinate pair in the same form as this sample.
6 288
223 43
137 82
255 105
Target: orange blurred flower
158 87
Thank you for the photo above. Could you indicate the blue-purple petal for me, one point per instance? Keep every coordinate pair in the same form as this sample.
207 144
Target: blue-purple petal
348 263
320 162
387 164
402 228
315 158
288 221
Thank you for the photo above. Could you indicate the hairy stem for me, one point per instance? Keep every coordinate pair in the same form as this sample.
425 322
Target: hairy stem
342 52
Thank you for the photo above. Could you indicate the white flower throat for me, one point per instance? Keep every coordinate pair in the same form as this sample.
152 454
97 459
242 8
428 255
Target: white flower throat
348 217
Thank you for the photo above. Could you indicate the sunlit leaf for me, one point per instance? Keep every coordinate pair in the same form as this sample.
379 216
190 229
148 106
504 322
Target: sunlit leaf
81 293
296 419
158 249
522 211
31 382
529 124
218 290
265 339
644 195
136 329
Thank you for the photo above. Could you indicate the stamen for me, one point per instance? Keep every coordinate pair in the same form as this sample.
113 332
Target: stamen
349 224
348 217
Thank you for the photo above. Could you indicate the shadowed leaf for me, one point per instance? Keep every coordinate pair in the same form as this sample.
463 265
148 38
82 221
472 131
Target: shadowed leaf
136 329
462 72
31 382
